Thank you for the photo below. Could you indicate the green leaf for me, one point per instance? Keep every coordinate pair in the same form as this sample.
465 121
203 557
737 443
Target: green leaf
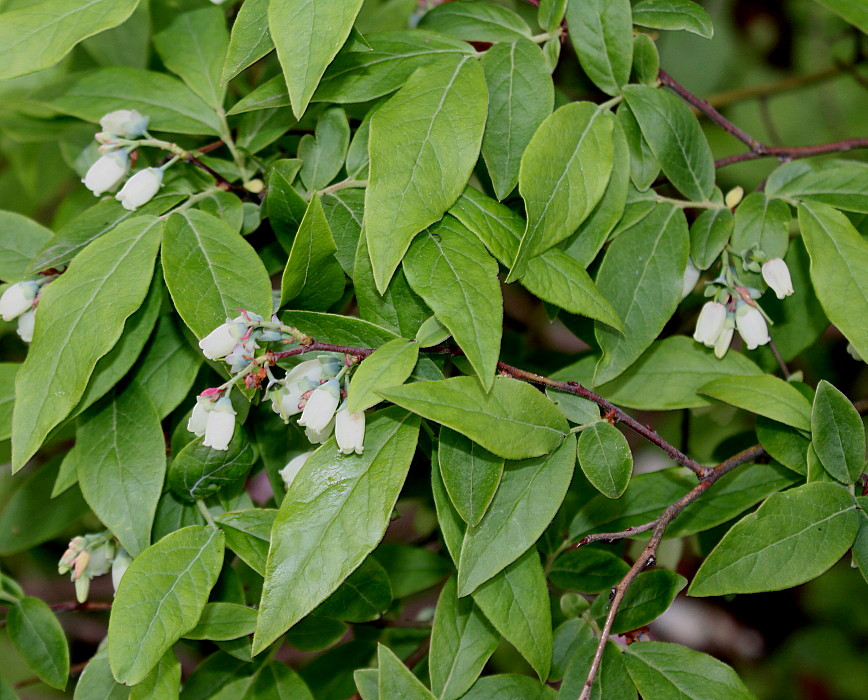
26 496
20 240
194 47
388 366
669 374
161 597
819 521
563 174
471 474
92 223
655 251
853 11
476 21
365 595
605 458
587 570
520 97
648 597
515 601
784 443
761 224
675 139
39 34
838 434
451 270
513 420
170 104
709 234
576 409
527 499
839 269
612 681
323 153
662 671
423 145
644 167
311 257
509 685
673 14
344 211
411 569
248 533
168 367
250 39
275 680
336 329
332 517
198 471
396 680
646 60
602 35
163 682
308 34
212 272
765 395
362 76
81 317
37 635
315 633
222 621
8 370
121 464
462 640
96 681
841 184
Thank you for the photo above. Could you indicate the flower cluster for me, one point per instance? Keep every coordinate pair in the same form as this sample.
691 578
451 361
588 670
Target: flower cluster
89 556
315 389
19 301
118 138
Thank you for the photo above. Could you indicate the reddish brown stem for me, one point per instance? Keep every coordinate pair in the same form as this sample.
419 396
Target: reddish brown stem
795 152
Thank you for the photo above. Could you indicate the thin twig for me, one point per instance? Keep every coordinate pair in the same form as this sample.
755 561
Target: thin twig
73 606
795 152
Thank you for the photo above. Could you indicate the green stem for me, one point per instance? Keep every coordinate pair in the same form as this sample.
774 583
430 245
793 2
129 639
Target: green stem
608 104
203 509
545 36
226 137
343 184
191 200
683 204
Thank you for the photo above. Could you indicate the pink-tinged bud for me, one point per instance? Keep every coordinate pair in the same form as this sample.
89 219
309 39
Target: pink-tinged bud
321 406
777 276
220 425
350 431
107 172
26 323
292 468
751 326
18 299
126 123
222 340
80 564
140 188
710 323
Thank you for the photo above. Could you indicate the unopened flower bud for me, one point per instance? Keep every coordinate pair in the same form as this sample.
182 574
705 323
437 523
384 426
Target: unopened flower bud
18 299
733 197
222 340
126 123
82 588
710 323
321 406
220 425
318 437
140 188
292 468
254 186
26 322
198 420
241 355
777 276
721 345
107 172
350 431
751 326
691 277
120 565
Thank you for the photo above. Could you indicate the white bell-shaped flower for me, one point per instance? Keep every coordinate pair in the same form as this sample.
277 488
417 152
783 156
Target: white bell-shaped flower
198 420
26 322
318 437
350 431
140 188
18 299
691 277
777 276
126 123
321 406
220 425
721 345
292 468
710 323
751 326
107 172
222 340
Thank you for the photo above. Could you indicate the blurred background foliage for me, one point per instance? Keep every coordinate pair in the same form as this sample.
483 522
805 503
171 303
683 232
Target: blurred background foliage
787 71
